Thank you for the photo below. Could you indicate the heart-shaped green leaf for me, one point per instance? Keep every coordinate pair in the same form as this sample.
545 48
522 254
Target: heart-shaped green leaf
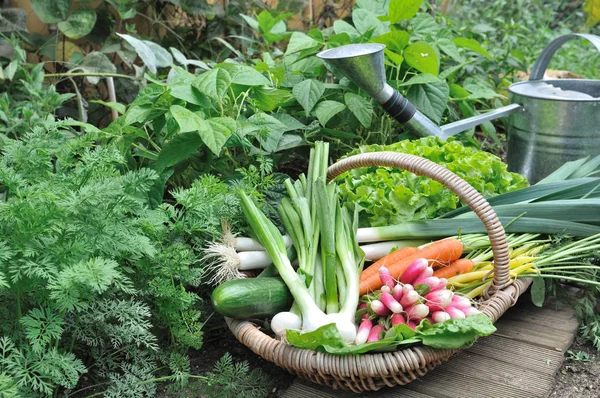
360 107
51 11
421 56
325 110
308 93
80 23
213 83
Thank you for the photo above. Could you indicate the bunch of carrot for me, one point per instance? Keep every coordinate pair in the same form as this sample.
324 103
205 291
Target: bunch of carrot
442 255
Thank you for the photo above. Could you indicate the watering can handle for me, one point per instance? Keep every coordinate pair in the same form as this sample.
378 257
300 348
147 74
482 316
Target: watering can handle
539 68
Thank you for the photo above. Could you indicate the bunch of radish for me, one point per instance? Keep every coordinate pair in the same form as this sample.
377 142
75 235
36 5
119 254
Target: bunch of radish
416 296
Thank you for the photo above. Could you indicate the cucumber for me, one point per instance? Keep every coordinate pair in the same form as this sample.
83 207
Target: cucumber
251 298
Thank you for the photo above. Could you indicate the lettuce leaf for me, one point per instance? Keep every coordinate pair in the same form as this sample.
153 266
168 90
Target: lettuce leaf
388 196
456 333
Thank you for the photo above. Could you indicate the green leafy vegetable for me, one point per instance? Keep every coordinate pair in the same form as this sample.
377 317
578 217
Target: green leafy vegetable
456 333
388 196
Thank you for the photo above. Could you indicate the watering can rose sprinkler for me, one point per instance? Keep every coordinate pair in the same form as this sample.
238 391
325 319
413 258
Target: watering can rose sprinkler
363 65
551 121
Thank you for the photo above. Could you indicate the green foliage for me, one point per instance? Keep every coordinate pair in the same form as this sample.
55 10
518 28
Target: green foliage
24 100
388 196
89 272
520 29
230 379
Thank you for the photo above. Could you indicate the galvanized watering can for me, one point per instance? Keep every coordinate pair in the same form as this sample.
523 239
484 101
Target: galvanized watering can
551 121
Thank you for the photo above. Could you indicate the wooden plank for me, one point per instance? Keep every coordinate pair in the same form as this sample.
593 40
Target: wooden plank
454 383
565 320
541 337
509 373
303 389
505 349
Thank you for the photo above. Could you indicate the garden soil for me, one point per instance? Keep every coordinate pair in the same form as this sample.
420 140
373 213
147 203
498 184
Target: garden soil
579 376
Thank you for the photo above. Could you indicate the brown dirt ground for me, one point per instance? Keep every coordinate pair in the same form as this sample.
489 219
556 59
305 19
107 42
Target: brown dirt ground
579 378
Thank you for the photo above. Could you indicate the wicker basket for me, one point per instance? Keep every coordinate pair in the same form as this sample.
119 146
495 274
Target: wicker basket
370 372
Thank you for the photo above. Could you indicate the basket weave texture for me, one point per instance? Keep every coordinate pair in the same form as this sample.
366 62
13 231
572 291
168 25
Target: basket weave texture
371 372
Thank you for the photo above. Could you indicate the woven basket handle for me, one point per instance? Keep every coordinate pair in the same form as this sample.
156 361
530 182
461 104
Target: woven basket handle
460 187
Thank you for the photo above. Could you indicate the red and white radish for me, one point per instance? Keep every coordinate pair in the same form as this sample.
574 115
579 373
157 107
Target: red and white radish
470 311
409 298
363 331
427 272
391 303
438 300
398 292
440 317
379 308
398 319
417 312
414 270
386 278
375 333
455 313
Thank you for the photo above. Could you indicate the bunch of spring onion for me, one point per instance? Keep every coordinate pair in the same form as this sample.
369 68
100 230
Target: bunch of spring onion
416 296
325 285
533 258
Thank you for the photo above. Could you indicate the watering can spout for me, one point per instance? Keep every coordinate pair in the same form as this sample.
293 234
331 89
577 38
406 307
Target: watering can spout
363 65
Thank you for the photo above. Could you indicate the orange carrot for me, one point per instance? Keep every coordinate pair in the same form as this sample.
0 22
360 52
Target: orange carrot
445 250
390 259
460 266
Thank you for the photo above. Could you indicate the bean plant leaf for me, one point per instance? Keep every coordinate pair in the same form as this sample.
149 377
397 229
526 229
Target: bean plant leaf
142 50
423 78
79 24
178 149
187 120
592 9
214 132
300 41
162 56
396 40
365 20
51 11
250 21
377 7
223 128
360 107
450 48
401 10
424 24
325 110
268 98
244 75
97 62
421 56
266 129
213 83
307 93
471 44
341 26
120 108
538 292
289 141
180 57
430 98
289 121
